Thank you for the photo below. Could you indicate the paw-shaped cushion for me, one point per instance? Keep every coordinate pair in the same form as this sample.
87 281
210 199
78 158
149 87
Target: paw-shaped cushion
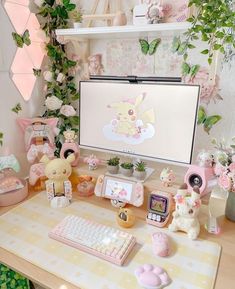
152 277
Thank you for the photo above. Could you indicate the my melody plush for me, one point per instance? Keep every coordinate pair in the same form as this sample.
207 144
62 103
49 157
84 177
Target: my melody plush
186 212
58 186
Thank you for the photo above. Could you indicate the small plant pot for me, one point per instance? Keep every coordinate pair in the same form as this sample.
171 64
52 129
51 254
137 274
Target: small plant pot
113 169
127 172
77 25
140 175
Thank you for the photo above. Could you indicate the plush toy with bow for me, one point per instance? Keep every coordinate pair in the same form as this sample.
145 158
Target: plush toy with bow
186 212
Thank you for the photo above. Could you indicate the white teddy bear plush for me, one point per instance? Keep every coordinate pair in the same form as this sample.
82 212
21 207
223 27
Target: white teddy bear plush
186 212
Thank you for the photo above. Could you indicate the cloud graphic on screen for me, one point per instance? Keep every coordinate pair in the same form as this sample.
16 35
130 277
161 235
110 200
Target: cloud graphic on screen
146 133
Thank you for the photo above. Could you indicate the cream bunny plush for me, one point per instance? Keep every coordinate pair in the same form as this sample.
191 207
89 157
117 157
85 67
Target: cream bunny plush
186 212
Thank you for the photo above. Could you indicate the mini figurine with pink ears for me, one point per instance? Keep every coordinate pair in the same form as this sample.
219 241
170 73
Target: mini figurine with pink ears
92 162
167 177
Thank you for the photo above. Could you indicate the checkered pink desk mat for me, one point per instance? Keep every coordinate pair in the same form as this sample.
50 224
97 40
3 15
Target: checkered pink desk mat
24 232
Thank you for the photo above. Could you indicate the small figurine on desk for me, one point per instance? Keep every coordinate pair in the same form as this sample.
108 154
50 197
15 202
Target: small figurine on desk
69 136
125 218
187 209
58 186
92 162
167 177
70 147
86 186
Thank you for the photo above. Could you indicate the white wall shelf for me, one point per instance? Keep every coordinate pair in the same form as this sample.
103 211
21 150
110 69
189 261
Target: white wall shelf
128 31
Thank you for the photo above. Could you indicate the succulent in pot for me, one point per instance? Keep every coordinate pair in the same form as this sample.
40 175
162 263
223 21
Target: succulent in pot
127 169
76 16
140 170
113 165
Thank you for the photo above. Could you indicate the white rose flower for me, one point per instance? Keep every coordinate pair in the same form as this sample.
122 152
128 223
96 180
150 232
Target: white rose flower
67 110
53 102
38 2
48 76
60 78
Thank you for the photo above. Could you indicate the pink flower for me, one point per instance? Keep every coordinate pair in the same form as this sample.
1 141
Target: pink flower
225 182
67 110
232 167
61 39
179 199
219 169
209 91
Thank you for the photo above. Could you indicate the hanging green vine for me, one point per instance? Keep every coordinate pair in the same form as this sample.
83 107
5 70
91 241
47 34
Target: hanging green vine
213 23
61 91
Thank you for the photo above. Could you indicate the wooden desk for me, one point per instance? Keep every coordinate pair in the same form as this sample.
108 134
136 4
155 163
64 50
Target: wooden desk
225 277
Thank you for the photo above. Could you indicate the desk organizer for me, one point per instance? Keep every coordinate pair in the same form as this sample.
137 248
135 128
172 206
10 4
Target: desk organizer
24 232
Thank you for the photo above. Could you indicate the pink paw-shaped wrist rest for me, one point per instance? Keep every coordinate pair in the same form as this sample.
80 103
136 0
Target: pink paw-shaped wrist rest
152 277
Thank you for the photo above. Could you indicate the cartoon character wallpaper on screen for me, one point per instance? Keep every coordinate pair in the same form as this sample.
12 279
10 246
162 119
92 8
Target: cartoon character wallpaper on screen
130 124
158 205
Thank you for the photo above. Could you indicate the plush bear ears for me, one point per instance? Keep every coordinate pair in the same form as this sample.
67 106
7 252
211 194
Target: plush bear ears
46 160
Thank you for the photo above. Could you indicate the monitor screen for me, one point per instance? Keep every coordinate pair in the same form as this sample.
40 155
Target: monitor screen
151 121
115 189
158 204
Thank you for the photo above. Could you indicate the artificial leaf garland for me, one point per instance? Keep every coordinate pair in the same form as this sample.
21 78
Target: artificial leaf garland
60 86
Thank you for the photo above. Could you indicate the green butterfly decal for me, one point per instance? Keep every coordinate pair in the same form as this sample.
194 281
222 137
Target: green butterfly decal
20 40
189 70
17 108
207 121
1 138
37 72
149 48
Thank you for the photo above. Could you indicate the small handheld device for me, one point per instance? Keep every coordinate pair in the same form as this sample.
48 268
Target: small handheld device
121 190
159 207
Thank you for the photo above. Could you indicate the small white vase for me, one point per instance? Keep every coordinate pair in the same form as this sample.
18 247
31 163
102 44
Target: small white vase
77 25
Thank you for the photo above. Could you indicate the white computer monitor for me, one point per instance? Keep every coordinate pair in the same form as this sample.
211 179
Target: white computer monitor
147 120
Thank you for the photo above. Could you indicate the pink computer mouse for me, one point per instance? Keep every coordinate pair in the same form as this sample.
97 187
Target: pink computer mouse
161 245
152 277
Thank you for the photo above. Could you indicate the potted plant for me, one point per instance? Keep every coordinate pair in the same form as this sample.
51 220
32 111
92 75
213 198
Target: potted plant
113 165
127 169
140 170
76 16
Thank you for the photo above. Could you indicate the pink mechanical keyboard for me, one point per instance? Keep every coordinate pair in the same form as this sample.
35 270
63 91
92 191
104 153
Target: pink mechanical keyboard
99 240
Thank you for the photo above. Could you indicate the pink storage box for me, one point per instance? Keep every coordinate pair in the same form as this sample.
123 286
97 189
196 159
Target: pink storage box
15 196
